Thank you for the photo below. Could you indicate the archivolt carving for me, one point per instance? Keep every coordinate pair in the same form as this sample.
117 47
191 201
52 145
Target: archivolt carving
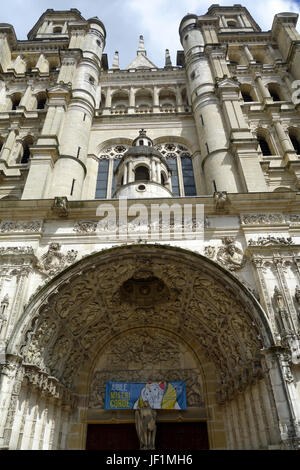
150 356
204 308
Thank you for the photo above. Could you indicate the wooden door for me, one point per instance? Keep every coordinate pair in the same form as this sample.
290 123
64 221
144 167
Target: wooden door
169 436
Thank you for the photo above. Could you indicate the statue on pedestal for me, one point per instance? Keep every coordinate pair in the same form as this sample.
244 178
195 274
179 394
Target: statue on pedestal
145 423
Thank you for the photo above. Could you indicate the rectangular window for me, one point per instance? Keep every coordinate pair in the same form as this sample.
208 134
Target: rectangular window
188 176
113 186
172 163
102 177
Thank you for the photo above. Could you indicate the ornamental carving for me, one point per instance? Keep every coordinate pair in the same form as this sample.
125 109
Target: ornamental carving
228 255
54 261
89 308
261 219
269 219
16 250
33 226
271 241
85 226
150 356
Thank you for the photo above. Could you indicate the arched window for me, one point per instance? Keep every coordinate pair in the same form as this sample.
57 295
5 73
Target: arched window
57 30
295 141
142 173
264 146
108 162
15 100
41 100
232 24
247 93
275 92
27 142
180 163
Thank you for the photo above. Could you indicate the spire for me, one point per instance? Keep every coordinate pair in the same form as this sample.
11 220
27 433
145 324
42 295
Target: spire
141 50
168 62
115 64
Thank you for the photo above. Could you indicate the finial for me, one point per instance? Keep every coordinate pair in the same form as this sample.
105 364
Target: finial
168 62
141 50
142 132
115 64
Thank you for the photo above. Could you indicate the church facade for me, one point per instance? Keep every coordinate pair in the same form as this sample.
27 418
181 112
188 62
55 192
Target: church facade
87 299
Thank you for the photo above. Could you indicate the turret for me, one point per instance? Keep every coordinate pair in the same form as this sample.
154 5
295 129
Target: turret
70 170
143 171
216 161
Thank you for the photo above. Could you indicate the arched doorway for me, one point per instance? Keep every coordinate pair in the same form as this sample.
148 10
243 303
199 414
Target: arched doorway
119 314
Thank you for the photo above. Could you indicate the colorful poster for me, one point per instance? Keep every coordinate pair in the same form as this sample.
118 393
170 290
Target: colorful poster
159 395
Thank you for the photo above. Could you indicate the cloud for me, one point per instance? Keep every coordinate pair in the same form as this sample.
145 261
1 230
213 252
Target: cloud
159 20
125 20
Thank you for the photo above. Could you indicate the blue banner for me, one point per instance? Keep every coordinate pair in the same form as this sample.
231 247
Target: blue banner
159 395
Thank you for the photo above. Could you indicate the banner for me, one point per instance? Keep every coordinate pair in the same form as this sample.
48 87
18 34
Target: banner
159 395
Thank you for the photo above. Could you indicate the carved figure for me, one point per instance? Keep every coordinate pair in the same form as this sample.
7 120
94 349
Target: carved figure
60 206
230 255
221 199
297 294
145 423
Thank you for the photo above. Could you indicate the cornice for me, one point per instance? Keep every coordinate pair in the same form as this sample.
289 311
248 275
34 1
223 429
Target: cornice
238 203
53 45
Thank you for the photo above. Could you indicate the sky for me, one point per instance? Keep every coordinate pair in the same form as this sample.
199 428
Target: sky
125 20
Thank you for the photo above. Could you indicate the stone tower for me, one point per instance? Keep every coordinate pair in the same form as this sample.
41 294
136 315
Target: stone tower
89 294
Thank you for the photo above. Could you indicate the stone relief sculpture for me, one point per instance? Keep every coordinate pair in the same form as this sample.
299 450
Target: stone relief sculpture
221 199
228 255
53 261
270 240
145 422
60 206
14 226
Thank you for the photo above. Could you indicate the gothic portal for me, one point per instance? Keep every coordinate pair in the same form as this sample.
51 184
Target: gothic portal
93 291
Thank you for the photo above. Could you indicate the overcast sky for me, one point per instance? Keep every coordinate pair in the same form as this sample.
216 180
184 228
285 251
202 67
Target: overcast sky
125 20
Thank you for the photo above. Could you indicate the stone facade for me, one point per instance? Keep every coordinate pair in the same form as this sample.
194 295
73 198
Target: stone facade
82 301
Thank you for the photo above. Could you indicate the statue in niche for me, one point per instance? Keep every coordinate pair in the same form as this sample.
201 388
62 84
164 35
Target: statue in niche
145 423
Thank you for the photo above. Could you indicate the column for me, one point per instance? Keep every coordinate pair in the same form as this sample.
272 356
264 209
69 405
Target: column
179 103
10 387
156 99
19 297
153 170
25 100
125 173
286 144
8 145
258 263
130 172
263 89
248 54
131 108
285 395
108 98
240 18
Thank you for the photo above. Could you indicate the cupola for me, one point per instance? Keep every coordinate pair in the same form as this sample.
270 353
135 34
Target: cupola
143 171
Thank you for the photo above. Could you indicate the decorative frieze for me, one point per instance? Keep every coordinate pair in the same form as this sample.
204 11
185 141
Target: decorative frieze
33 226
109 228
270 219
271 241
261 219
